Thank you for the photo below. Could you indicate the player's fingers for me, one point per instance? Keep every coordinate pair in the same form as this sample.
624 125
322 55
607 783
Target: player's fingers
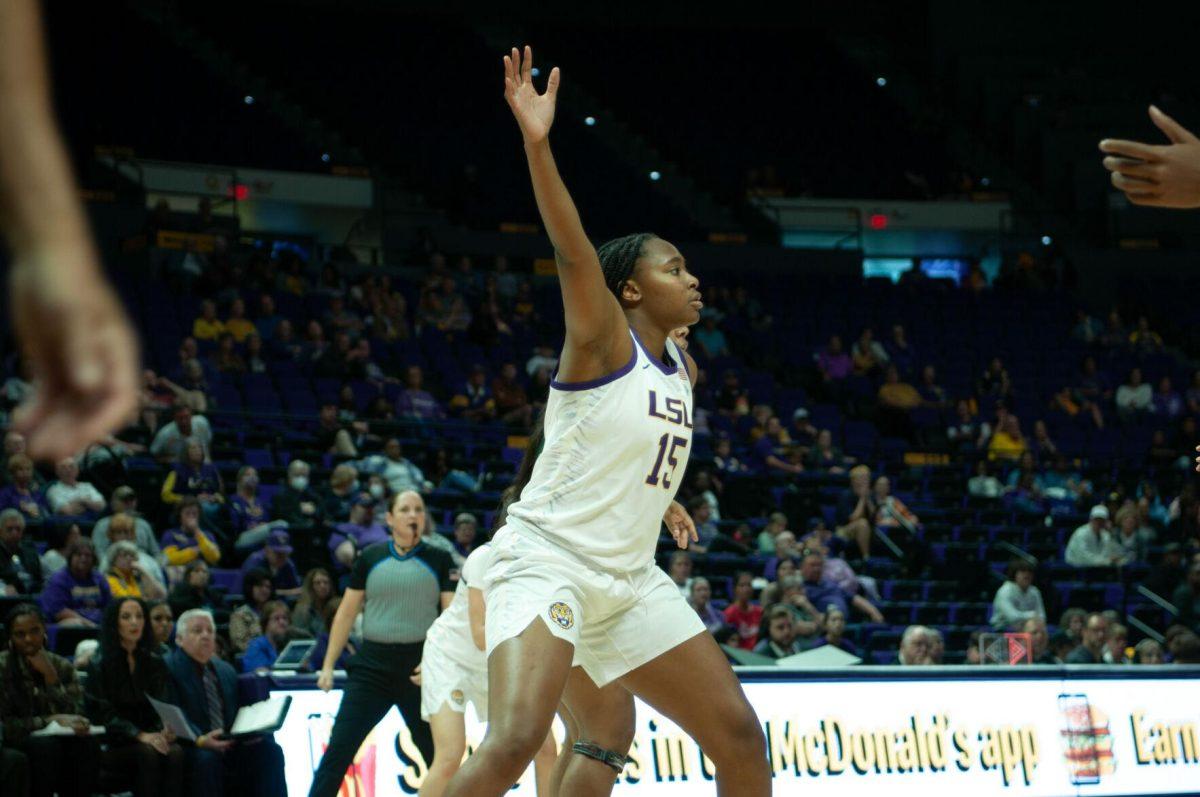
1131 168
1148 200
527 65
552 83
1174 131
508 69
1134 185
516 64
1130 149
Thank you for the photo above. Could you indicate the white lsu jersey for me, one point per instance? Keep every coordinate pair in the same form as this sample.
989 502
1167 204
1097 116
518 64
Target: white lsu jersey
451 631
615 450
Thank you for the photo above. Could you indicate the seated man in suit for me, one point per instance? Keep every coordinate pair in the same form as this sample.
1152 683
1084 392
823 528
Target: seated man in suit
205 689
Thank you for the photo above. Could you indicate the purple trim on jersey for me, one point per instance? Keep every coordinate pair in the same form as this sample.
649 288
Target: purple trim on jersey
666 369
604 380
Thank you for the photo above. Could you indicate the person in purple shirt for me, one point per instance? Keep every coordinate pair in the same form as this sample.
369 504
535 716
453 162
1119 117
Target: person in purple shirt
276 558
362 530
770 455
21 493
193 476
414 402
824 594
834 363
245 510
835 630
77 594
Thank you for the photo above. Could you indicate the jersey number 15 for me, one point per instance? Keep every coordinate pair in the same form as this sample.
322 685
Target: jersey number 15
667 446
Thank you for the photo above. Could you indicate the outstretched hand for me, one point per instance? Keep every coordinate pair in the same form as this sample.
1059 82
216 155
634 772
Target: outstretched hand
1164 176
534 112
679 523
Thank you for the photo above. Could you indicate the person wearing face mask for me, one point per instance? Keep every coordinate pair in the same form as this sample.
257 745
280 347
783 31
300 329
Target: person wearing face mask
139 749
297 503
38 687
275 557
400 586
377 489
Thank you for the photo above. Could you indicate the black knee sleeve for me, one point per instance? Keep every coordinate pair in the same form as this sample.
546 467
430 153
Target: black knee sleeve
615 760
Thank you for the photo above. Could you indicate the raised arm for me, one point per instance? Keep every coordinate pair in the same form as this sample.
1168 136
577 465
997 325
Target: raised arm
597 341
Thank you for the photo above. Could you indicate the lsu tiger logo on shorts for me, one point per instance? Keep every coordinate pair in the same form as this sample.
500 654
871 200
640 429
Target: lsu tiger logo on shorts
561 613
458 697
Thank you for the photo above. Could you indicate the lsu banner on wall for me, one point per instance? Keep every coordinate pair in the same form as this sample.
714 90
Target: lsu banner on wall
1010 731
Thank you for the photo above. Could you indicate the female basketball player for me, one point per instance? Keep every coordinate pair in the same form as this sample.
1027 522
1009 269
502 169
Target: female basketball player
573 572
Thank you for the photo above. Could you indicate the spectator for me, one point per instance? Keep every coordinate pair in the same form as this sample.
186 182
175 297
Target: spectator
732 398
414 402
1071 623
680 571
474 402
194 477
915 647
891 512
186 543
834 632
994 383
207 326
138 748
77 594
121 529
316 593
1026 466
69 496
1039 641
781 635
352 537
38 687
974 652
700 598
512 403
275 557
342 492
707 533
937 646
1007 444
543 359
723 459
1092 544
803 433
742 615
20 566
896 399
1132 538
777 522
771 452
1186 598
124 500
833 548
825 456
1143 339
1134 398
263 650
400 473
170 443
245 622
1061 482
983 484
823 593
342 319
466 529
1148 651
248 518
297 504
205 689
868 354
900 353
1092 639
856 511
162 623
21 493
834 364
268 320
967 431
712 340
226 359
1167 401
1192 396
1018 599
1042 446
1087 329
332 436
59 539
193 591
933 394
284 346
1185 648
785 548
1114 645
126 578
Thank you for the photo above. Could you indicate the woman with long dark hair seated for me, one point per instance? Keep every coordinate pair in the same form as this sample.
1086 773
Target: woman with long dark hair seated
139 749
38 687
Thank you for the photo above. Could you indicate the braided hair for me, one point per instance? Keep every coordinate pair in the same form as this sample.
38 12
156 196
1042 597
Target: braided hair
618 258
20 699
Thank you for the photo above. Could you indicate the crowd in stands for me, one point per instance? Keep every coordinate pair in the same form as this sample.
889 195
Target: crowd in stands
261 465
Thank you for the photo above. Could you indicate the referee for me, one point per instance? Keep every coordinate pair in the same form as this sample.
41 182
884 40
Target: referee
400 586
